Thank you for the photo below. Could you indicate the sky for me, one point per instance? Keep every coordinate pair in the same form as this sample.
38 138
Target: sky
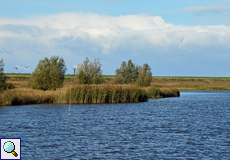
176 38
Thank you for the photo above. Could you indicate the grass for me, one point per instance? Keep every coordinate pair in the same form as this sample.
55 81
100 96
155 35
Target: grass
81 94
191 83
106 93
25 96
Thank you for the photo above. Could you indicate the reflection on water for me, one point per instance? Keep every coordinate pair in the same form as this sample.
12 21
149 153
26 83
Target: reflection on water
195 125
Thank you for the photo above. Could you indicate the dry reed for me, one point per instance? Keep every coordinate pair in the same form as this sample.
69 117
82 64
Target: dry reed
84 94
25 96
154 92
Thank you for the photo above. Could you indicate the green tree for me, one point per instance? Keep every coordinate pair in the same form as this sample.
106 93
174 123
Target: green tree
81 78
2 76
92 71
144 76
128 73
49 73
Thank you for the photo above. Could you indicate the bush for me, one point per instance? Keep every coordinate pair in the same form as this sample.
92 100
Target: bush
81 78
144 78
89 72
49 74
118 80
128 73
133 73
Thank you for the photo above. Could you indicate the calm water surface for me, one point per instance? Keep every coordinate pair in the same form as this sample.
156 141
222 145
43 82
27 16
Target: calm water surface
195 125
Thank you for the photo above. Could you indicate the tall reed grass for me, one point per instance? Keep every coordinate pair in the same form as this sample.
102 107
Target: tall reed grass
170 92
84 94
25 96
154 92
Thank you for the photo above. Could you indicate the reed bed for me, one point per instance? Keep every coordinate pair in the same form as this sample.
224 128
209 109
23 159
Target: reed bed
85 94
155 92
170 92
25 96
81 94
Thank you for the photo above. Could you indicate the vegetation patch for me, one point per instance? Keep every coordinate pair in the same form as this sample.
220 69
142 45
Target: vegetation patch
25 96
84 94
49 74
155 92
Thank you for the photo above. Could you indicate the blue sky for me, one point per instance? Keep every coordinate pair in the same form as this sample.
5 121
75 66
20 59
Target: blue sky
176 38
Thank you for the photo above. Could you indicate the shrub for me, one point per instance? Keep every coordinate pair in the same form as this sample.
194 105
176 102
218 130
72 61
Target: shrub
81 78
91 71
128 73
49 74
133 73
118 80
144 76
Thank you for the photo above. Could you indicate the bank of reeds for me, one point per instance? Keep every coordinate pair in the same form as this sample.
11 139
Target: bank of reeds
169 92
25 96
85 94
154 92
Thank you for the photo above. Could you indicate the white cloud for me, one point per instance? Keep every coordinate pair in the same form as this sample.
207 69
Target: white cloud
109 32
74 35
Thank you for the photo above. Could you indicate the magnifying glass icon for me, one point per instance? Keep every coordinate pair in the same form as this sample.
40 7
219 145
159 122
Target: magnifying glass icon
9 147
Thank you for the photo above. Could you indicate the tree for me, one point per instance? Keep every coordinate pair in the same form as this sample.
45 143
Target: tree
144 76
81 78
91 70
128 73
49 74
2 76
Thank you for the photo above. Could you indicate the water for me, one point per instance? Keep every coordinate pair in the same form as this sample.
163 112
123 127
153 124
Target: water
193 126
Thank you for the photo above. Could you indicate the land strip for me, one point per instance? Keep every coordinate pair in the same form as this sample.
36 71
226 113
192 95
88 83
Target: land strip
181 83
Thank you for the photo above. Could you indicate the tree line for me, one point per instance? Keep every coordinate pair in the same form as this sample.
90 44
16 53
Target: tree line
49 73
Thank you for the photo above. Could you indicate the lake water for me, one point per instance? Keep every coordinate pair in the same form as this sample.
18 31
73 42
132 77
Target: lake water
195 125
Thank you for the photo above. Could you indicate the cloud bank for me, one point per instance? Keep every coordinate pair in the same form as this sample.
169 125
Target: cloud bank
77 35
